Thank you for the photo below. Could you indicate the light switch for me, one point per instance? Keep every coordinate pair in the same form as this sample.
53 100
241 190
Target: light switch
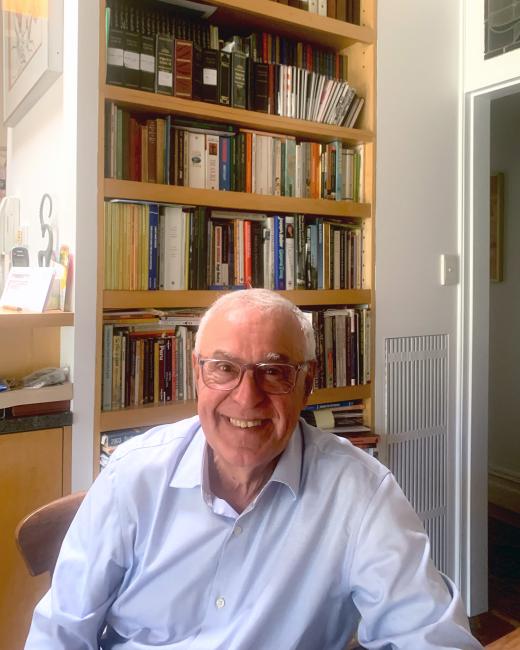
449 269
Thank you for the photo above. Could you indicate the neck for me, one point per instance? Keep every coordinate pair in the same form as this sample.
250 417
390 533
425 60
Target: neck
238 486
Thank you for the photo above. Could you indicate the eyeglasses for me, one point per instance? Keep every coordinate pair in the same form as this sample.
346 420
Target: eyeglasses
272 378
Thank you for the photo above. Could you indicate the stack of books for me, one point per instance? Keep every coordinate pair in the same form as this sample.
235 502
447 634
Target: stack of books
344 419
112 439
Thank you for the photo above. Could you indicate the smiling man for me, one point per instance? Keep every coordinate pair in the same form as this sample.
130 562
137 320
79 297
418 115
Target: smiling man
244 528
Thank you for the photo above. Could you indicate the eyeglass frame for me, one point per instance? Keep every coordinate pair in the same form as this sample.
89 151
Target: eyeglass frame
251 366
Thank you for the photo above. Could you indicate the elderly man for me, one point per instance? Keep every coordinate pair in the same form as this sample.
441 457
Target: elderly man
244 528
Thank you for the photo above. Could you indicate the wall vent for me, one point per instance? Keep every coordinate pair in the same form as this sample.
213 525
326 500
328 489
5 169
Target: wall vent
416 409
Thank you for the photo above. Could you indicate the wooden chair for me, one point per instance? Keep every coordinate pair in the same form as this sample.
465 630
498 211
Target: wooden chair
39 536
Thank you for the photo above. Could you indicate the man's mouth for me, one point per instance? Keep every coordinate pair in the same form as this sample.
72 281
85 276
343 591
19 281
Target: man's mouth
245 424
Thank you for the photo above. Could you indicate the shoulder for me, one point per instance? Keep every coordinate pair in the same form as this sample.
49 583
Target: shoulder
333 464
159 448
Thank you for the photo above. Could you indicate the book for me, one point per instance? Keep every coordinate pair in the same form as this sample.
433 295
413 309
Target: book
147 63
164 65
115 57
224 78
132 60
210 65
238 79
183 68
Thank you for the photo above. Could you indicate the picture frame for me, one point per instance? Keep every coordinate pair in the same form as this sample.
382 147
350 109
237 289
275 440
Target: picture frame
32 33
496 224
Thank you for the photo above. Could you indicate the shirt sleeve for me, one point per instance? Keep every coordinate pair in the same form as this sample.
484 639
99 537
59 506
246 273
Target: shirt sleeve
89 571
404 602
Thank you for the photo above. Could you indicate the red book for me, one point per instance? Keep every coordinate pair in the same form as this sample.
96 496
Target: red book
183 68
248 259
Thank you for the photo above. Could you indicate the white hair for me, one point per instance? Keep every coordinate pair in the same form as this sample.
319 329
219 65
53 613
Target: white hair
265 301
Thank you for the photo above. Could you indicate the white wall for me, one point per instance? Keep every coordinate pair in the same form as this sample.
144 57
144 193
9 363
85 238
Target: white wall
417 200
504 321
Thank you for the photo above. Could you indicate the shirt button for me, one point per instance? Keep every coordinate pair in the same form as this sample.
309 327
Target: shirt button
220 602
237 531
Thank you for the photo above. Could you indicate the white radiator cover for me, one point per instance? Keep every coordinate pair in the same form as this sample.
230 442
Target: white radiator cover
415 444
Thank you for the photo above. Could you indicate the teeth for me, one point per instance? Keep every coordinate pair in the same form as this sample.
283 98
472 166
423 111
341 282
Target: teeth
245 424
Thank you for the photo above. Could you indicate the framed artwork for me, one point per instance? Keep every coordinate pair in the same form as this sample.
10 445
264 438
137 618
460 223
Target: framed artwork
496 222
32 52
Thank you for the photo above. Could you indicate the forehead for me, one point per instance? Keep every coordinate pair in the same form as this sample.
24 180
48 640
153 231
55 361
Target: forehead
253 335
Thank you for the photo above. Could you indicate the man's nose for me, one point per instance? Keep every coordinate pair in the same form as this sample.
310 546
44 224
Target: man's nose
247 392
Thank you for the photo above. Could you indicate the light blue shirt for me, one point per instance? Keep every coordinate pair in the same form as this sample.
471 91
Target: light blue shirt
165 564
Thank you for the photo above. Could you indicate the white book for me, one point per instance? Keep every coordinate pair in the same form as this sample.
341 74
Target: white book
212 162
196 160
360 150
323 100
332 101
322 7
269 253
313 6
318 91
289 252
172 247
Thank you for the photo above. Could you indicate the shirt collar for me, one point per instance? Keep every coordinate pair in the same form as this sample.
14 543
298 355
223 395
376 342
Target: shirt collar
192 468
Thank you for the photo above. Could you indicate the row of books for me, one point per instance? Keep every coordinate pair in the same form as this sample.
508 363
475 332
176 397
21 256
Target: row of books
188 153
147 358
149 247
347 10
150 19
342 338
266 80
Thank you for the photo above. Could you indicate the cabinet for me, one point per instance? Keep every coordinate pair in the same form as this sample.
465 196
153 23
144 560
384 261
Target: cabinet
358 42
34 464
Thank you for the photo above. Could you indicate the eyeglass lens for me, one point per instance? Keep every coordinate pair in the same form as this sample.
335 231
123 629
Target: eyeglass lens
271 378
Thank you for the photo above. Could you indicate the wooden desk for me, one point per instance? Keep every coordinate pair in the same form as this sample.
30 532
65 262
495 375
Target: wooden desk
509 642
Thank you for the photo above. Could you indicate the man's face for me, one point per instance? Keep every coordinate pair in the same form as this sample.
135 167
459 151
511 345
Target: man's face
246 427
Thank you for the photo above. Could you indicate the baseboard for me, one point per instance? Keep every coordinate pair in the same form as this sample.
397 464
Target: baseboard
504 488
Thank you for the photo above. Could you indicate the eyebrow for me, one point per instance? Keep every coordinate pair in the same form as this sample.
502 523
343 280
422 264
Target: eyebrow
270 356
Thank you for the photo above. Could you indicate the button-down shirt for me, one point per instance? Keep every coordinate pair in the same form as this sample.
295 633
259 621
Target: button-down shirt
165 564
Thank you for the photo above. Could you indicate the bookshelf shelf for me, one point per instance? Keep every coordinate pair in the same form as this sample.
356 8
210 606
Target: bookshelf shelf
138 191
36 395
163 299
139 100
325 395
18 319
146 415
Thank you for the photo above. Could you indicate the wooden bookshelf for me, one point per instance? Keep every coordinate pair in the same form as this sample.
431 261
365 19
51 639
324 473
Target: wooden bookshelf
165 299
358 42
157 193
17 319
140 101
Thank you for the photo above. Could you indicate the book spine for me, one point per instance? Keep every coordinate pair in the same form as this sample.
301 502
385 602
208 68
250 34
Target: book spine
210 75
183 66
212 162
224 78
289 253
164 64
